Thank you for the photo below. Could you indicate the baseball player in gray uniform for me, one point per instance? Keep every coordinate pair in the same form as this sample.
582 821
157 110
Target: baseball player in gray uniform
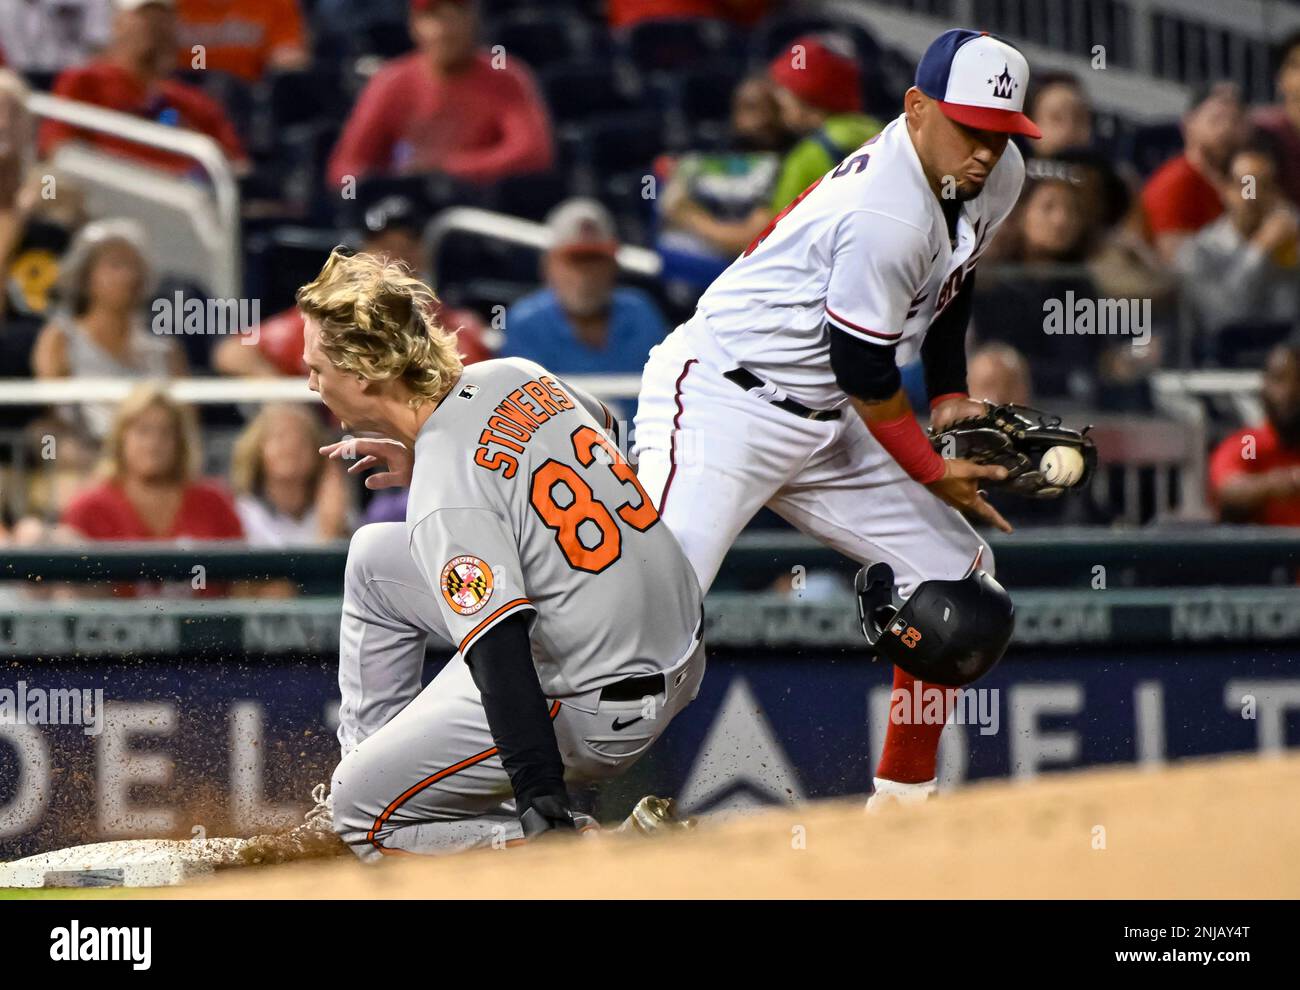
529 544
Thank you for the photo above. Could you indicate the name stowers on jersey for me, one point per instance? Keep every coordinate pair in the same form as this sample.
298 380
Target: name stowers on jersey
865 248
519 501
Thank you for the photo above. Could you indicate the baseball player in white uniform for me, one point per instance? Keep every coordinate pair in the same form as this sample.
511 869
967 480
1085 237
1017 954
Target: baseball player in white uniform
529 544
784 390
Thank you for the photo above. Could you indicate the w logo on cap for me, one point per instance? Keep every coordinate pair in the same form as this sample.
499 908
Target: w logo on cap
1004 84
978 80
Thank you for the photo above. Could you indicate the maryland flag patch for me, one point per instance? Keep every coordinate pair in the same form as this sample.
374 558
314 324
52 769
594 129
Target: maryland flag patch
466 584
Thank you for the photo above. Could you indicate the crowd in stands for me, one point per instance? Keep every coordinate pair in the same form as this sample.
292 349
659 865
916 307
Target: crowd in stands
683 126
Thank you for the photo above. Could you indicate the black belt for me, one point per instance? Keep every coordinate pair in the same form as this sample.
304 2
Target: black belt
634 688
749 381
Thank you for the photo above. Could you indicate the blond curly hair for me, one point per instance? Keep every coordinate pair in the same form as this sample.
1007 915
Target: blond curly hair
377 320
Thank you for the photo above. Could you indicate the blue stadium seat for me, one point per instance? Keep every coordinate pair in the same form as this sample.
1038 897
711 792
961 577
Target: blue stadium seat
1148 146
576 91
303 96
235 96
530 196
673 45
702 94
279 260
616 143
775 33
540 37
1245 344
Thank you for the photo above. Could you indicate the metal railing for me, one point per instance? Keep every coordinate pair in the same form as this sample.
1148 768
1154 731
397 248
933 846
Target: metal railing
226 277
1154 50
525 233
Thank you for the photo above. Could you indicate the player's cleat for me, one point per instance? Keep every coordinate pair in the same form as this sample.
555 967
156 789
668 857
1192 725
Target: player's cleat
656 816
315 838
892 792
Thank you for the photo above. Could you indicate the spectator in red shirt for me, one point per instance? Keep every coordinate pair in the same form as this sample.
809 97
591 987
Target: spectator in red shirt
446 108
393 228
132 77
1183 194
1282 121
1255 473
149 490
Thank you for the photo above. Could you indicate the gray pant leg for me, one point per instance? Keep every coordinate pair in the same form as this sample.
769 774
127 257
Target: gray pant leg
388 613
429 780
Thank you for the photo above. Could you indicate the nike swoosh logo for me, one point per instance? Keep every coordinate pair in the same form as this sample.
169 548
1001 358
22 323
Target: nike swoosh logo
618 726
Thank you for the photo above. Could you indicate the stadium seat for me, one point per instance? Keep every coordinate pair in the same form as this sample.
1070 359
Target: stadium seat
702 94
576 91
672 45
279 260
302 97
775 33
1148 146
612 143
540 38
530 196
235 96
493 9
1246 345
384 40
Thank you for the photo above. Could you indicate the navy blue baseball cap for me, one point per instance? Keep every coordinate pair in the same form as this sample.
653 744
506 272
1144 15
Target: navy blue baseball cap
978 80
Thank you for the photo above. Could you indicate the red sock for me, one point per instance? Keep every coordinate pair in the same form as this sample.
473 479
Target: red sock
911 749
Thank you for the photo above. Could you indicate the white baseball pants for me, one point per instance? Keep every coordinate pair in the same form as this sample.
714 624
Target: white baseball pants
711 455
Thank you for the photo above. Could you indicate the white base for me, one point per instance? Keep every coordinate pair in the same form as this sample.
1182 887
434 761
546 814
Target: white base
126 863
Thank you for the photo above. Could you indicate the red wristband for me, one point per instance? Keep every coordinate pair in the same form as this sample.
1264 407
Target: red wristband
946 396
908 445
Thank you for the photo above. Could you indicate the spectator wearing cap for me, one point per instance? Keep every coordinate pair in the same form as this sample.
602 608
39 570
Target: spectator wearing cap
244 38
1254 474
393 227
447 108
132 76
1282 120
1245 267
582 322
1182 196
47 36
819 91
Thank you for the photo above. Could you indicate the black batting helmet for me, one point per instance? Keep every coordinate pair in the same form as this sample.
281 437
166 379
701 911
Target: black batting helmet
948 632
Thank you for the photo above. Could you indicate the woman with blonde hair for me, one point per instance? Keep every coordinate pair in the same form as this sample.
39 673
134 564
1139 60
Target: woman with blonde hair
285 494
99 327
149 487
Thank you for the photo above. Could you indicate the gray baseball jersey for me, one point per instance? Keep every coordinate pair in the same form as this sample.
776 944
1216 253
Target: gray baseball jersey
519 502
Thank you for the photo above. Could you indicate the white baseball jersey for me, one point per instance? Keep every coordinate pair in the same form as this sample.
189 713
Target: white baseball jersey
866 249
519 502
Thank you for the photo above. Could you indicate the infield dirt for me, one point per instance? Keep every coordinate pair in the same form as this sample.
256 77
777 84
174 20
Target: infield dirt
1226 828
